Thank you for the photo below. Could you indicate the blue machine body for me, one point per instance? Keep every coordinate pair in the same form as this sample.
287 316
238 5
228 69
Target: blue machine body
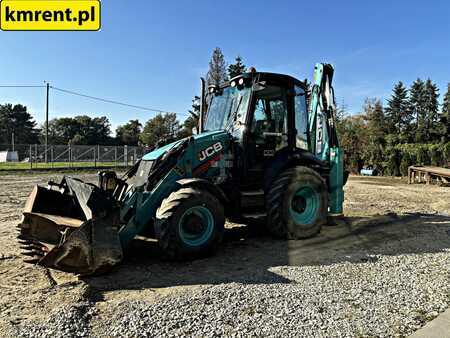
203 156
255 133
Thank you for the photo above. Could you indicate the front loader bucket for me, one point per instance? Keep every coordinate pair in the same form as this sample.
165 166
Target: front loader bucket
74 229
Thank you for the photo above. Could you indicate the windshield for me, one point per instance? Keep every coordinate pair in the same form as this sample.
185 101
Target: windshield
230 103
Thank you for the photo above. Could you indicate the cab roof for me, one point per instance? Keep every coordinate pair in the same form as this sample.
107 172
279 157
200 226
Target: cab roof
282 79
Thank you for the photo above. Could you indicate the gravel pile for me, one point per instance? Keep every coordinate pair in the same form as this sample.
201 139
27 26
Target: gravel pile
388 296
66 321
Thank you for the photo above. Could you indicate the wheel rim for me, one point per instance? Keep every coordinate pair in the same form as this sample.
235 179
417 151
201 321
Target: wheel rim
305 205
196 226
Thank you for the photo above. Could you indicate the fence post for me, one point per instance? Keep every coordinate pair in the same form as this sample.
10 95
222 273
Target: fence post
51 156
115 156
134 156
31 158
98 153
125 155
70 155
95 159
36 154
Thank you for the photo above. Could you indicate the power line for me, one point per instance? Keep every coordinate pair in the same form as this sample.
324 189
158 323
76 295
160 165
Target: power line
21 86
112 101
94 98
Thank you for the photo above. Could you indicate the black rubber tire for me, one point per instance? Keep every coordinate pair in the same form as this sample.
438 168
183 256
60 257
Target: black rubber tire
167 228
279 222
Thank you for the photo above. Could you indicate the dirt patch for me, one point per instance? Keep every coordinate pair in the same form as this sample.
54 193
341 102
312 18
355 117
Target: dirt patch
384 217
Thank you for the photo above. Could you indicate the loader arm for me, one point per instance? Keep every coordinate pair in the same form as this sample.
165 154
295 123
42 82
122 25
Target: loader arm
323 140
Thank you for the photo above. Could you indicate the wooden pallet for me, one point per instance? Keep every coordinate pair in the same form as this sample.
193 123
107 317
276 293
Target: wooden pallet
420 174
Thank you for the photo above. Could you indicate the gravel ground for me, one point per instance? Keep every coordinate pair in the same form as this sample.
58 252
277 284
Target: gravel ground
383 272
379 298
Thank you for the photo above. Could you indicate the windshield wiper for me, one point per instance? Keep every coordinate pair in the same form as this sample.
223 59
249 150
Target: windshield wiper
233 116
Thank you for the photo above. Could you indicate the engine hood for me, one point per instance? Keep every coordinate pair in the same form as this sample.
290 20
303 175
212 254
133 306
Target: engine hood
153 155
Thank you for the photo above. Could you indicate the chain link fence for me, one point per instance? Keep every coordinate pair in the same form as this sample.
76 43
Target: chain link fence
38 156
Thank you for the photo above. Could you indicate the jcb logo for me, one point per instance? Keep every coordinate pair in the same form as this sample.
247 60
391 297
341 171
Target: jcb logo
211 150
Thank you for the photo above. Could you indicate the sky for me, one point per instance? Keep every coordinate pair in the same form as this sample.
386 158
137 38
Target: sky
152 53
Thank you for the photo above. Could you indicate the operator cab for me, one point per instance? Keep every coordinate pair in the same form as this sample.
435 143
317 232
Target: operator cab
267 115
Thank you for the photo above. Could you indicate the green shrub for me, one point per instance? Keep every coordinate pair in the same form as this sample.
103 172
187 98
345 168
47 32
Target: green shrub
405 163
435 155
393 163
422 155
446 154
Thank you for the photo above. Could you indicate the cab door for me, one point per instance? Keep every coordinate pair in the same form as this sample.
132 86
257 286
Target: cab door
301 119
267 132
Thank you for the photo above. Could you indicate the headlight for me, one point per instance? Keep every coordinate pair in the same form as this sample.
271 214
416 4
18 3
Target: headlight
233 83
241 81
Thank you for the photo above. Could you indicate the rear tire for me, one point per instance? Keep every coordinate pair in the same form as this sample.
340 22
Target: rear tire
189 224
297 204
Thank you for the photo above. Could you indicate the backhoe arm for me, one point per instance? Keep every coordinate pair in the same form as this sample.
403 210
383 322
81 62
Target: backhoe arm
324 141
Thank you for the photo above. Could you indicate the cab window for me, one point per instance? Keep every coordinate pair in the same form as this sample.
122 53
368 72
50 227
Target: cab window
270 116
301 118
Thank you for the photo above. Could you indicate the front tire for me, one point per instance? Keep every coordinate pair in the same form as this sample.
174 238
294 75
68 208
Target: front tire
297 204
189 224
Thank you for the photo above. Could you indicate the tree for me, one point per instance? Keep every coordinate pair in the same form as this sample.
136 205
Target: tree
376 132
353 140
393 162
192 121
341 111
188 125
376 120
445 116
435 155
129 133
398 115
217 72
16 119
405 163
79 130
160 129
418 110
92 130
236 68
61 130
432 111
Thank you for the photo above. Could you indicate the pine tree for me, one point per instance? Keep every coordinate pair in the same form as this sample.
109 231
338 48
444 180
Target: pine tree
376 120
236 68
398 115
417 108
192 121
432 111
376 130
217 72
195 111
341 111
445 117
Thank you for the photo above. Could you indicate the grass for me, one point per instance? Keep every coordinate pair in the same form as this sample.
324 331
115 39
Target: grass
56 165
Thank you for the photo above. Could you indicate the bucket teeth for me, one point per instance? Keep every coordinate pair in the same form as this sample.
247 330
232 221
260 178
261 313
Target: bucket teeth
32 253
32 260
24 241
32 249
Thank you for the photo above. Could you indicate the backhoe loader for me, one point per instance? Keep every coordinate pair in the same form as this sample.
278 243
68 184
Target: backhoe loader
259 152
